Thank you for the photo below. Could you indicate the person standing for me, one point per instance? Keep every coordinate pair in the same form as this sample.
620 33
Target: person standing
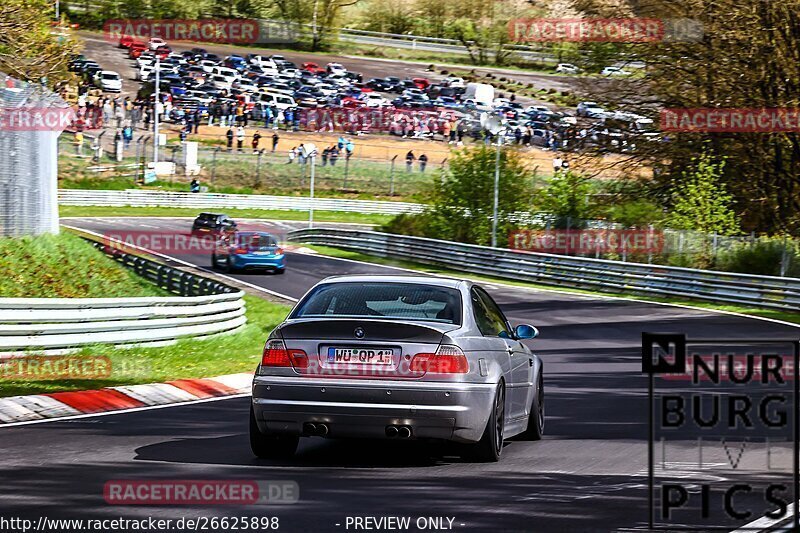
223 114
79 143
334 155
325 153
423 162
229 136
410 161
240 139
275 139
256 140
349 148
292 154
194 186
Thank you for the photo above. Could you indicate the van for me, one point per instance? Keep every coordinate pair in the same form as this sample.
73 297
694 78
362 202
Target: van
231 74
279 101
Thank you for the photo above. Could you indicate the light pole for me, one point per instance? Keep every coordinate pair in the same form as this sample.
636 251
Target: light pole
156 105
311 152
495 126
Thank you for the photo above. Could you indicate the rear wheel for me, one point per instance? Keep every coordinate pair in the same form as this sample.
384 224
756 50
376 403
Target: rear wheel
213 260
268 446
489 448
229 268
280 271
536 417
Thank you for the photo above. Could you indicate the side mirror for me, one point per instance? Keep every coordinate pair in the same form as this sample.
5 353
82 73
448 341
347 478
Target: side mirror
525 331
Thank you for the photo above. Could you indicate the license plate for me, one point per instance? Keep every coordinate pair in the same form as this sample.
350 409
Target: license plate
361 356
262 253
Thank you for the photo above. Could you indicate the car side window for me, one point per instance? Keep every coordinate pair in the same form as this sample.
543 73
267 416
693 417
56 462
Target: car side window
488 316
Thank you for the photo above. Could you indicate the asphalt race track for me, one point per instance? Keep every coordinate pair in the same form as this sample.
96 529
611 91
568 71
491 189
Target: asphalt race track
588 474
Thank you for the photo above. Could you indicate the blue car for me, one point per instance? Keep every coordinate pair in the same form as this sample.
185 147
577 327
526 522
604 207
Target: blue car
248 250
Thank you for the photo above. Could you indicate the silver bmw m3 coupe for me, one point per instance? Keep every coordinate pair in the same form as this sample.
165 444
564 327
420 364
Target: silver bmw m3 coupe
398 357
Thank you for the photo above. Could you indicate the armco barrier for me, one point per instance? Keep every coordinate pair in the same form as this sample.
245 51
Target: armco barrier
608 276
203 307
145 198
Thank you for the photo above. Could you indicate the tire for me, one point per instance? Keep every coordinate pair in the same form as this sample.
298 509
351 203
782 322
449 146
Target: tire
489 448
271 446
536 418
229 268
280 271
213 261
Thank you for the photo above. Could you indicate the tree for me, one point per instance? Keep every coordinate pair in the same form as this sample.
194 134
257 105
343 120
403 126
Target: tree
567 197
29 50
747 57
701 201
462 202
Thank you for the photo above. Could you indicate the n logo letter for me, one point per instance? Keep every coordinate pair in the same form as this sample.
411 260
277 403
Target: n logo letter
663 353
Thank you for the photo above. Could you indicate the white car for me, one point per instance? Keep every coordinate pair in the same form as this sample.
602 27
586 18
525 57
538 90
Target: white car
567 68
263 62
339 81
145 59
221 82
590 109
207 65
144 72
336 69
501 102
109 81
231 74
245 85
614 71
376 100
156 43
454 81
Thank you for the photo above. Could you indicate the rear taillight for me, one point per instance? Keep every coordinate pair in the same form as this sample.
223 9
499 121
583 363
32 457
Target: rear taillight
276 354
240 251
448 359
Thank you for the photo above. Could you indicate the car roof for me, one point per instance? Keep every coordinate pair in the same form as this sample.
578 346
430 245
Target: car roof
421 280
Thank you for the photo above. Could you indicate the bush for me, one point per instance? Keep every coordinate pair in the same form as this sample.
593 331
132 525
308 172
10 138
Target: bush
761 257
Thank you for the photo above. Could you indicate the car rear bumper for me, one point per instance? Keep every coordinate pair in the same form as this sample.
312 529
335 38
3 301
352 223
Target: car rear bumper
259 261
364 408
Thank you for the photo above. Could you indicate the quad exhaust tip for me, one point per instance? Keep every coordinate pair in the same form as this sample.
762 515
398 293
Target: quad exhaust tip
404 432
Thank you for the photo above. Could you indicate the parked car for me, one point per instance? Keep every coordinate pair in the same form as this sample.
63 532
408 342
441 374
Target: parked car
567 68
213 224
156 43
109 81
336 68
439 343
248 250
590 109
614 71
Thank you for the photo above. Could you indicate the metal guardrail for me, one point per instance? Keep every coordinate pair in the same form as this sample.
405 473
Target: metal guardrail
204 307
144 198
578 272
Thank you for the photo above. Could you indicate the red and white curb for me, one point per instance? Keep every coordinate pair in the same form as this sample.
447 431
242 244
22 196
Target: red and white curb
16 409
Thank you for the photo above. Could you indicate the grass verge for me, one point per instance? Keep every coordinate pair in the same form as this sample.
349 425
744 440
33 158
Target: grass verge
65 266
128 211
356 256
190 358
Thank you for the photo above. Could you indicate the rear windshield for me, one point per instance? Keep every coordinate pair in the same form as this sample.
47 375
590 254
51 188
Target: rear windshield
255 240
404 301
207 217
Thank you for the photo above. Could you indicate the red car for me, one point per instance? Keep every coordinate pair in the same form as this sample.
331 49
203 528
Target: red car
126 41
162 52
421 83
313 68
136 49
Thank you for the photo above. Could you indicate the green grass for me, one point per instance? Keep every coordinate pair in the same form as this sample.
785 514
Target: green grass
64 266
356 256
242 174
190 358
127 211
